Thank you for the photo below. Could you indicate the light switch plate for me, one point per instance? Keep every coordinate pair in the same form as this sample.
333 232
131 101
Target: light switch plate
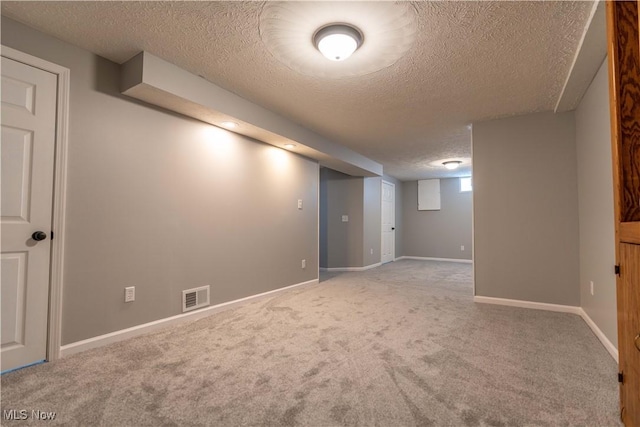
300 204
345 218
130 294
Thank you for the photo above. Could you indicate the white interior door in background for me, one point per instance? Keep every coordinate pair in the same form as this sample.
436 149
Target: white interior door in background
388 221
27 166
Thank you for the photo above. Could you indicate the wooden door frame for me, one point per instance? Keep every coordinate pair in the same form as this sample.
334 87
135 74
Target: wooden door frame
382 183
630 231
627 227
54 332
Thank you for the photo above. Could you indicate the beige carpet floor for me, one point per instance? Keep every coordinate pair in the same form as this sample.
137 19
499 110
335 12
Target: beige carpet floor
399 345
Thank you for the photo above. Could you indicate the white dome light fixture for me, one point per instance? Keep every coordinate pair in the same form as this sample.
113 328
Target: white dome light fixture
452 164
337 42
385 32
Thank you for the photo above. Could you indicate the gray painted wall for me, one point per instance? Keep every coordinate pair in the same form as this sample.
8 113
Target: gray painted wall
399 224
526 209
372 215
349 244
167 203
341 195
595 196
438 234
323 219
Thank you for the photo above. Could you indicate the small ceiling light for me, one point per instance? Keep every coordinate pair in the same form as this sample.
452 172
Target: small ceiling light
337 41
452 164
229 125
289 145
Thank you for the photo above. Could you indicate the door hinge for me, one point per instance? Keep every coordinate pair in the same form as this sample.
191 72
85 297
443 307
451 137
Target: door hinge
616 269
621 377
52 235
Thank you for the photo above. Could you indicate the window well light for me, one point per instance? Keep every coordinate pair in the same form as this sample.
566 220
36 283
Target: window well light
337 42
465 184
452 164
229 125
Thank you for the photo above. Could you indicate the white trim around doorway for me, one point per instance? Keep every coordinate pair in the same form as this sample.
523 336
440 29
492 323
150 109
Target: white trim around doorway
382 183
59 193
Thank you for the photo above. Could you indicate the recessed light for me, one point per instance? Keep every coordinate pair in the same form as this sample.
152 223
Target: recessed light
452 164
230 125
337 42
289 145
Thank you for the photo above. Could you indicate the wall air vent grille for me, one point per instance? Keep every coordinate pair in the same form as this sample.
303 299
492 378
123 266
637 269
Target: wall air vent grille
195 298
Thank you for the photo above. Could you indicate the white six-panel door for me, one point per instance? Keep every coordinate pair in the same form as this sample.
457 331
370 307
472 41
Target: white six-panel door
27 161
388 222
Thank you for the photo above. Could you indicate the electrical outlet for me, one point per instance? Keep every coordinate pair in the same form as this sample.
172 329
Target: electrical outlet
300 204
304 263
130 294
462 247
591 283
371 251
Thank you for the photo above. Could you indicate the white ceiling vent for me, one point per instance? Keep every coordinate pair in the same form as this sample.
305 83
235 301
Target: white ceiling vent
195 298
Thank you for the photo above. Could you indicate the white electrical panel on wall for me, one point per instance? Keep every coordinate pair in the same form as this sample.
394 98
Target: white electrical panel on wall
429 195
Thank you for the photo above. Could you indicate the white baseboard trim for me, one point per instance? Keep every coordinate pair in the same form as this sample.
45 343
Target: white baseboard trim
112 337
529 304
336 269
608 345
465 261
613 351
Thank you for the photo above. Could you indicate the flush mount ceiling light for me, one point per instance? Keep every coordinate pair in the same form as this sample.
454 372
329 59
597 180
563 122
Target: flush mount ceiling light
289 145
337 42
229 125
294 32
452 164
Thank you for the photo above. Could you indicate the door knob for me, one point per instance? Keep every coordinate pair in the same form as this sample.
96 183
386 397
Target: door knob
393 228
39 235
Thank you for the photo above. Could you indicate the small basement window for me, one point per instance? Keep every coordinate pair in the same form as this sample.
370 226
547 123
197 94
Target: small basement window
465 184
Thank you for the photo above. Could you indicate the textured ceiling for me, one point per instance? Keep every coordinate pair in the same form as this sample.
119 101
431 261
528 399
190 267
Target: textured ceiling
469 61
